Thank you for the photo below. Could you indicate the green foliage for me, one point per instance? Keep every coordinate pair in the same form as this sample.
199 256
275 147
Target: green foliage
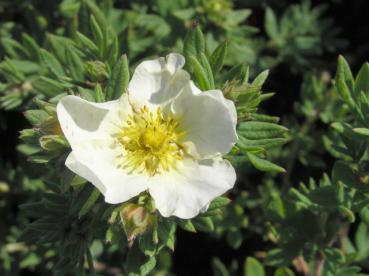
303 203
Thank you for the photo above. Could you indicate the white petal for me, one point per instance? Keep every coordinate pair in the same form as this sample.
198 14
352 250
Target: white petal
79 119
188 190
95 156
208 119
97 162
155 82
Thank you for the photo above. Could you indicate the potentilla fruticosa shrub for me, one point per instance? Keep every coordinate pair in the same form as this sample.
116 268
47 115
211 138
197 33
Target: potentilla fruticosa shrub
146 120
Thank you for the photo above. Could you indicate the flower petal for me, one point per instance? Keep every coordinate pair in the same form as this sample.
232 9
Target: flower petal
189 190
79 119
208 119
97 162
155 82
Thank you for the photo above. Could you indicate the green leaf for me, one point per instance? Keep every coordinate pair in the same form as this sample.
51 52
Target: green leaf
364 214
203 224
361 241
90 202
342 172
206 65
166 232
13 48
361 131
200 73
219 269
52 63
260 130
31 46
75 63
138 264
36 117
147 244
187 225
276 209
98 15
185 14
99 95
81 199
347 213
362 80
194 42
218 56
119 79
219 202
53 143
98 36
345 81
253 267
113 51
264 165
283 256
284 271
86 44
271 24
50 87
234 239
260 79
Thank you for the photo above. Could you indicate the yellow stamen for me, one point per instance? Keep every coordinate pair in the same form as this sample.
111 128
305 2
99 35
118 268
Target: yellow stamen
151 142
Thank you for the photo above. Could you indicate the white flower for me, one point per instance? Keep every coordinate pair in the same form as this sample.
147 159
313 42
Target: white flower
164 136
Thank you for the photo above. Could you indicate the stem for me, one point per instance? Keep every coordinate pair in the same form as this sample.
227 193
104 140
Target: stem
90 262
305 128
319 264
295 150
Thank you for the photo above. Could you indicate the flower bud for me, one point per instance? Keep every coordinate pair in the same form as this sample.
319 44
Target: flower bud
136 220
96 70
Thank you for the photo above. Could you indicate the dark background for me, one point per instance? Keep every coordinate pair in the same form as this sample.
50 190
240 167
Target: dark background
194 252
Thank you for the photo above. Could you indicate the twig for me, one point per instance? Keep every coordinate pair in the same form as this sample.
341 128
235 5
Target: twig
90 263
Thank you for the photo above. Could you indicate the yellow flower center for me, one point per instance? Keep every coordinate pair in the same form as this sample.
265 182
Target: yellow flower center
151 142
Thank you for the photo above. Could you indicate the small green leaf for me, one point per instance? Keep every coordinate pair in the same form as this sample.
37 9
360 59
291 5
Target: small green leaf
219 269
347 213
98 35
99 95
87 44
253 267
166 231
75 63
90 202
362 80
203 224
187 225
234 239
194 42
284 271
345 81
219 202
342 172
200 73
52 63
31 46
147 244
260 79
119 79
206 65
361 131
218 56
260 130
36 117
271 24
113 51
264 165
